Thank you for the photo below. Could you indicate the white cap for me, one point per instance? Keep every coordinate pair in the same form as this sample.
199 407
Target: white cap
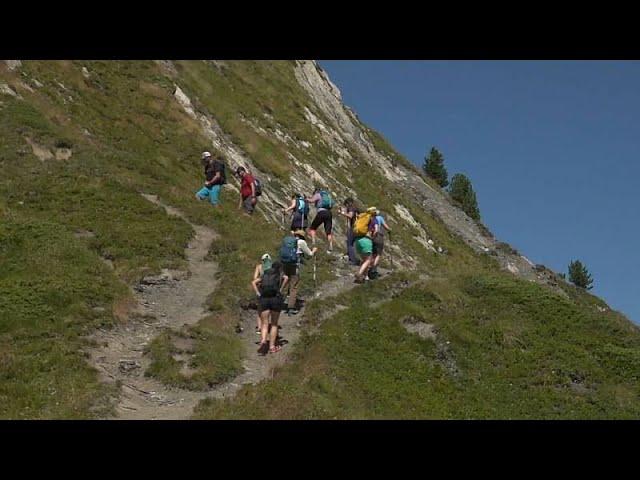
265 256
206 154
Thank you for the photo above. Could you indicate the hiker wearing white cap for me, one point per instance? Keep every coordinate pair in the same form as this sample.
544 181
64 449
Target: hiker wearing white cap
214 171
263 266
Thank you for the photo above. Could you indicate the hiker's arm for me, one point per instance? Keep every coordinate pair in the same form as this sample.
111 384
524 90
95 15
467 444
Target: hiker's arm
254 284
291 207
256 272
215 178
285 280
305 249
386 227
253 189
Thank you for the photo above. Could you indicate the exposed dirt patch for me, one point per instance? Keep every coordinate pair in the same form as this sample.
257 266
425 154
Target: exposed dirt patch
84 234
39 151
167 301
419 327
63 153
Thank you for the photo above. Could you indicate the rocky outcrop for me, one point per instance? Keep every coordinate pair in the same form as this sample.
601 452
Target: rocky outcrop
13 64
347 130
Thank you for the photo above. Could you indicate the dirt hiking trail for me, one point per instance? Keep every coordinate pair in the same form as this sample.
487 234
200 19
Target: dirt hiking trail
168 302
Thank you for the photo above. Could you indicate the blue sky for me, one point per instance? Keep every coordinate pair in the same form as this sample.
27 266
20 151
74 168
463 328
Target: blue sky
552 149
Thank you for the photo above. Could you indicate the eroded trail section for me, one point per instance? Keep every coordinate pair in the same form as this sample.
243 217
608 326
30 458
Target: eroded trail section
258 367
168 301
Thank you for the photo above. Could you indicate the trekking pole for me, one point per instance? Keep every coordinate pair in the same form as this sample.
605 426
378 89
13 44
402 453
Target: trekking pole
315 283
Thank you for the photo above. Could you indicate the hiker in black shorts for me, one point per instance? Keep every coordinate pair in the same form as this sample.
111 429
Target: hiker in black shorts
268 289
258 272
323 203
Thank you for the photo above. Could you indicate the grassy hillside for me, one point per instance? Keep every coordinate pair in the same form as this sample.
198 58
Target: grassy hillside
76 234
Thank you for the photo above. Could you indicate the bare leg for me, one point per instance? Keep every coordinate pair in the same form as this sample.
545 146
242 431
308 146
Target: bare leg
330 237
274 329
264 329
364 267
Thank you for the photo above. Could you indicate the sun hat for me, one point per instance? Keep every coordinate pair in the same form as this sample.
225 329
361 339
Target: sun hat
206 154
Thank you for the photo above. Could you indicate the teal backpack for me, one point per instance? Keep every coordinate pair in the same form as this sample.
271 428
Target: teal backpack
289 250
325 200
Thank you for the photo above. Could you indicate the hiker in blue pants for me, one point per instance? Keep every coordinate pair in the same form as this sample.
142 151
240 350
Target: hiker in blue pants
214 172
350 211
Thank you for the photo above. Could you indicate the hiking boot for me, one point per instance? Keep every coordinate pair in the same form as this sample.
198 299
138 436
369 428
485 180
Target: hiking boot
359 279
293 311
264 348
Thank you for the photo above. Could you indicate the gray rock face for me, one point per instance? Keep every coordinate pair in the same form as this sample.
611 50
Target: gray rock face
328 99
13 64
7 90
338 127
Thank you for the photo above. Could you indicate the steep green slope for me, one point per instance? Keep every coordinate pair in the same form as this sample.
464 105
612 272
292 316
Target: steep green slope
76 234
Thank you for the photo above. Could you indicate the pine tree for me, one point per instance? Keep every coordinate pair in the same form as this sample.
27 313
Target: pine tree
461 192
434 167
579 275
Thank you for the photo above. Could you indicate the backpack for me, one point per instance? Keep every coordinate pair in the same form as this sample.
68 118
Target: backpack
266 265
302 206
258 185
361 225
289 250
218 165
270 285
325 200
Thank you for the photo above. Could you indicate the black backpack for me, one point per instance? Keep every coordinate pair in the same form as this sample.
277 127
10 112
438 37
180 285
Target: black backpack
218 165
258 185
270 285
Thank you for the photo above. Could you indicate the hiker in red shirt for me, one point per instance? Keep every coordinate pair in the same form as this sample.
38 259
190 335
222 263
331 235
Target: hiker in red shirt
248 197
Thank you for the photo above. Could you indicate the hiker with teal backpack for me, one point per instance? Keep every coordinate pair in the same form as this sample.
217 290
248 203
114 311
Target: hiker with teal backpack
324 203
268 288
214 171
264 265
292 252
378 230
300 211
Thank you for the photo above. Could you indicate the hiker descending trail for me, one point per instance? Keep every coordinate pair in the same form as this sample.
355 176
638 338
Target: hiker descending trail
215 178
